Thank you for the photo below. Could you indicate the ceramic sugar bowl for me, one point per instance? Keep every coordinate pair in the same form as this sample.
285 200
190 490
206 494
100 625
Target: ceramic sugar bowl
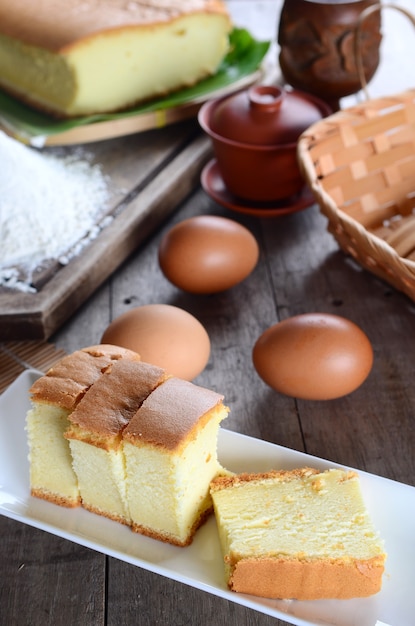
254 135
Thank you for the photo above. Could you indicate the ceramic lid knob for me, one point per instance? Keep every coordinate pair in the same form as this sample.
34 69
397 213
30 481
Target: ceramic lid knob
264 115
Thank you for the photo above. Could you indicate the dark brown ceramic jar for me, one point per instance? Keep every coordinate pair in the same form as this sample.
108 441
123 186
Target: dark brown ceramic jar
317 39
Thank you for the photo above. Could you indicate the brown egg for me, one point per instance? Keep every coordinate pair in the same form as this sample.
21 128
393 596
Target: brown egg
207 254
163 335
315 356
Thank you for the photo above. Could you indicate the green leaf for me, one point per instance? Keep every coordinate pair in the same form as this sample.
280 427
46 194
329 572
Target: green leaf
244 58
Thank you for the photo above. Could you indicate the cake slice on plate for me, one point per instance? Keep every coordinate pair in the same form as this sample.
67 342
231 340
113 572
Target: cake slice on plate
53 397
170 448
300 534
95 434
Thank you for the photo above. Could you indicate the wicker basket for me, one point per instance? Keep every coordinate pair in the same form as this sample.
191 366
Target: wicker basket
360 166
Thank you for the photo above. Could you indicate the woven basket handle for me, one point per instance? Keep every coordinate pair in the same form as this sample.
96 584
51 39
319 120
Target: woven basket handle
358 54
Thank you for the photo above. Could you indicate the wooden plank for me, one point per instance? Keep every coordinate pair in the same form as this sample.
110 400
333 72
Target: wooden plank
61 582
174 604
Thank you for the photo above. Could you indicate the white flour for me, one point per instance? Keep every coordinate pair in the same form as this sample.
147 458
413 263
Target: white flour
49 209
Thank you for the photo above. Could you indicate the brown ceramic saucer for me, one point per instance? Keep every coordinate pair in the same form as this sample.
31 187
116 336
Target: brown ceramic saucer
213 185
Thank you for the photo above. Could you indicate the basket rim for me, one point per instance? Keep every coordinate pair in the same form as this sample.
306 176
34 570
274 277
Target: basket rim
339 218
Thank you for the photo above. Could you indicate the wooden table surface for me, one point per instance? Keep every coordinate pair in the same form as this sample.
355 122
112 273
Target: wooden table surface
47 580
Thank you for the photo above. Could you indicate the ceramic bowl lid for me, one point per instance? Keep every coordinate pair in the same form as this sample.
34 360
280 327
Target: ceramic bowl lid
265 115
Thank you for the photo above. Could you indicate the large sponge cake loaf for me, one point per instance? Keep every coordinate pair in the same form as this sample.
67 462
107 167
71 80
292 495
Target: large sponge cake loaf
300 534
78 58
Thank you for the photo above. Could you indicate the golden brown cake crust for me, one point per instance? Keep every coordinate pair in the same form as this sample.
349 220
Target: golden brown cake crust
224 482
148 532
58 25
168 416
97 511
65 383
53 497
111 352
307 580
111 402
299 577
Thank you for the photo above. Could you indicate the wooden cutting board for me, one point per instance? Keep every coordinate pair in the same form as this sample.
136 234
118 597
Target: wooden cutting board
150 174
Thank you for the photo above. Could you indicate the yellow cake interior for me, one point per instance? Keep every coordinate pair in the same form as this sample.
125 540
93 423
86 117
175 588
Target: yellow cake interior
54 397
148 52
95 434
304 524
51 473
101 480
168 490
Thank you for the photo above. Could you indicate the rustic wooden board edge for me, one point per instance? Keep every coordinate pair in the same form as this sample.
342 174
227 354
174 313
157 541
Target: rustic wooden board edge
39 315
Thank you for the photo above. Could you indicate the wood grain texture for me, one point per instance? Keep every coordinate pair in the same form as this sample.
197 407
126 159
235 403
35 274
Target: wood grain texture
37 591
45 580
173 604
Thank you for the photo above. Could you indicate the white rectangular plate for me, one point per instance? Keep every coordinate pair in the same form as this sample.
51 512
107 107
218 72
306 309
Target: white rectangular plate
391 505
